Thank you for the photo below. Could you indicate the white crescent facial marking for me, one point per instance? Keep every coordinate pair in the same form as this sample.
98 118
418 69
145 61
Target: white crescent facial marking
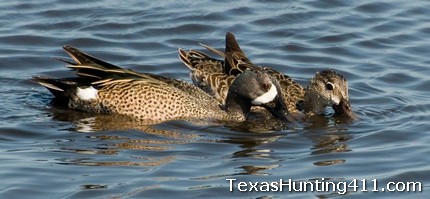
266 97
86 93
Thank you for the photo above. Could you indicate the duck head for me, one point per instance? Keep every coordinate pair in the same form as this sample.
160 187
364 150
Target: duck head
328 89
257 88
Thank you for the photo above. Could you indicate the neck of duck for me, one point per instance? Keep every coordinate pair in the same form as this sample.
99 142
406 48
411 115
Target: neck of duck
313 104
237 107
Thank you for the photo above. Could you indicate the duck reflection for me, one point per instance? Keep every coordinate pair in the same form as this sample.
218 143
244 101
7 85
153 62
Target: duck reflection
89 122
259 169
329 135
155 138
260 123
150 162
251 136
252 148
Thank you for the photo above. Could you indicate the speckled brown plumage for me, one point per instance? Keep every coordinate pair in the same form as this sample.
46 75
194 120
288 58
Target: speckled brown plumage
297 98
215 76
106 88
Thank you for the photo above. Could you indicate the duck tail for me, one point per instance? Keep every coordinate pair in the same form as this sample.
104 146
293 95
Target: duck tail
90 68
189 58
82 58
62 89
235 61
185 58
196 60
213 50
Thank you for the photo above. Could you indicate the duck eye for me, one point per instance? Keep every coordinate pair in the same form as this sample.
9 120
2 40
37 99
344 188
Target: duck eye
329 86
265 87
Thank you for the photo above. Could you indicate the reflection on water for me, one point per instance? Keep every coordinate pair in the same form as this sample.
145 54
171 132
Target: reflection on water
332 140
164 139
330 143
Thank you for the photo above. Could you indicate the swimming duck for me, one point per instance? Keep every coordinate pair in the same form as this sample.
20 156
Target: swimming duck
102 87
326 89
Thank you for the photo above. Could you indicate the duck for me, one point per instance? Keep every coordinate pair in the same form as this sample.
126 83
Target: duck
101 87
326 89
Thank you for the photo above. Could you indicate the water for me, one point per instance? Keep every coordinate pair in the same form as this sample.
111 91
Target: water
381 47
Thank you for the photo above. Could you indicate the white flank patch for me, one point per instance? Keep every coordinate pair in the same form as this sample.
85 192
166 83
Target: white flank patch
86 93
266 97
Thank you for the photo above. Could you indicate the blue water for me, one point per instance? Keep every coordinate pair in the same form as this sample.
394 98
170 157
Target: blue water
381 47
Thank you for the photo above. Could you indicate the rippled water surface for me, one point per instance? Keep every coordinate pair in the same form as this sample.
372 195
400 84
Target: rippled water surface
381 47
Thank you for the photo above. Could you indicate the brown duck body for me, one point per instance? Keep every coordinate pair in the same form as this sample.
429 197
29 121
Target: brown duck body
105 88
208 74
327 88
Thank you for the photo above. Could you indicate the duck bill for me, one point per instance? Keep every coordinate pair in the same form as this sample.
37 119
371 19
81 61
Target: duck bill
278 109
343 109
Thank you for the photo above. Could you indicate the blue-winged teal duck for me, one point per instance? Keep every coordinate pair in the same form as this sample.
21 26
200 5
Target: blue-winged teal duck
101 87
327 88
